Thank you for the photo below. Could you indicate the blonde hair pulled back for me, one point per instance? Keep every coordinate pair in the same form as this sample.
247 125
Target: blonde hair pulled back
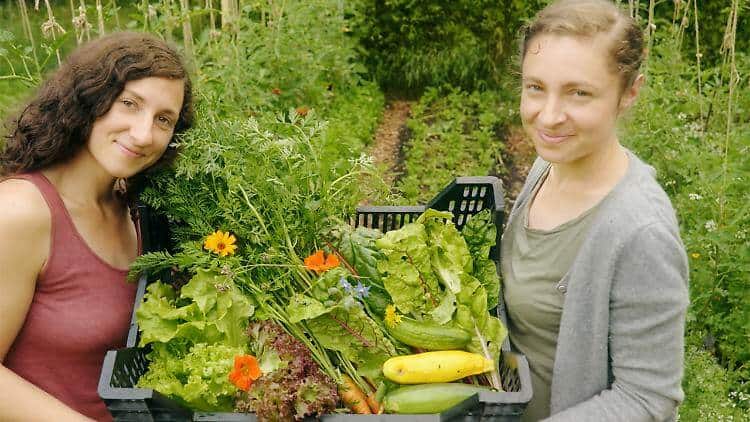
587 19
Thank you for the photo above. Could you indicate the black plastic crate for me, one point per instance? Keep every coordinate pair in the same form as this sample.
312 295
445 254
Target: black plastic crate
464 197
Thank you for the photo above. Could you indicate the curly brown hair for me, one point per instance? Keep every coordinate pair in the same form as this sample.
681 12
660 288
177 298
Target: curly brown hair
57 122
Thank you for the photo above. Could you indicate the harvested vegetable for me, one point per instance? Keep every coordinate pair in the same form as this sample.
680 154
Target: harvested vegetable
373 403
353 397
292 386
429 398
428 335
434 367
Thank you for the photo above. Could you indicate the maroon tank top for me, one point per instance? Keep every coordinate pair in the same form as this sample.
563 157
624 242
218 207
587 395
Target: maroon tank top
81 308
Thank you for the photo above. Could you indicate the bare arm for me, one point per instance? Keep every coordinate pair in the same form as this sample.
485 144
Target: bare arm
25 234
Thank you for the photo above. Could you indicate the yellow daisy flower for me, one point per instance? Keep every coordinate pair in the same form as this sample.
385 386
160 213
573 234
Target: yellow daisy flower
695 255
391 316
220 243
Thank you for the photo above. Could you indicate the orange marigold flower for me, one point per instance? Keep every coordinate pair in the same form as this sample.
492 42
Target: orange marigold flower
246 370
276 91
321 263
220 243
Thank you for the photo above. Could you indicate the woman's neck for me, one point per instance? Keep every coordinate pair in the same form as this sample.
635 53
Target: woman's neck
597 172
81 182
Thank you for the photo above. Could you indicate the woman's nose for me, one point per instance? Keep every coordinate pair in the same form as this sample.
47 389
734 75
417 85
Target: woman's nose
552 112
142 131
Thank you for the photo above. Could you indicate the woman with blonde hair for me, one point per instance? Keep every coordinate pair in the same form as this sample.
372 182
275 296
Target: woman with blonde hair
595 275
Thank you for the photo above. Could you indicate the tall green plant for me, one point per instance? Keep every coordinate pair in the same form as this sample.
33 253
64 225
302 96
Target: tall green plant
706 177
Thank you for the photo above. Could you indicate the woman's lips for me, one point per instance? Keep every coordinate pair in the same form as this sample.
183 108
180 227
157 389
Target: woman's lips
127 151
552 139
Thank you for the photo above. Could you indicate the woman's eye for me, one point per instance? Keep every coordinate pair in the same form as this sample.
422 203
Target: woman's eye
581 93
128 103
165 121
533 87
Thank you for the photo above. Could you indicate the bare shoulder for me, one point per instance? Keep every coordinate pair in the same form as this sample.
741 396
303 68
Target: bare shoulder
22 203
24 214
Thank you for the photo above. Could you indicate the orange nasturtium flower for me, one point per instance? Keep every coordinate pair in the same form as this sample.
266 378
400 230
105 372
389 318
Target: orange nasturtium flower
320 263
246 370
220 243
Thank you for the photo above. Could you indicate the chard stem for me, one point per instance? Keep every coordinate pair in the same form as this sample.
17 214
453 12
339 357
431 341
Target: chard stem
342 259
494 376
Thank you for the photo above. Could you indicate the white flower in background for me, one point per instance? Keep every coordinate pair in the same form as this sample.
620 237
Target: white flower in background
694 197
711 225
682 116
364 160
694 130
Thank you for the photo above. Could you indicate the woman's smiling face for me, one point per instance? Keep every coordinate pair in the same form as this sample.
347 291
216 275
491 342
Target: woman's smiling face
138 127
571 98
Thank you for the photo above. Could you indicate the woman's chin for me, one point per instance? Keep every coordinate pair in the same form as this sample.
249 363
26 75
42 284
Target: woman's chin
556 155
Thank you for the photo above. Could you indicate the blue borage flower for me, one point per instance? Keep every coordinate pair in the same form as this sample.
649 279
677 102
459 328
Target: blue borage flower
344 284
361 291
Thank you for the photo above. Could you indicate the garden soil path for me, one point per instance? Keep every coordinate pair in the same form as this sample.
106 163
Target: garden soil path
386 150
518 156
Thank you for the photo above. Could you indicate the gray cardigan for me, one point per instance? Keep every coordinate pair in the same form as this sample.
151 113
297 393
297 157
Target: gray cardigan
620 348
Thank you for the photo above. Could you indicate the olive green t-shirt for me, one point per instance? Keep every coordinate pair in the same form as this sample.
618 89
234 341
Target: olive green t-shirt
534 295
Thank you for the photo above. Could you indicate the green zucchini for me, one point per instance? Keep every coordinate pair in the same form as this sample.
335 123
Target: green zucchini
429 335
428 398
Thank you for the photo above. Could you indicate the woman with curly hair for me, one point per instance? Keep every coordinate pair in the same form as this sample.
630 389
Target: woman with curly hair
100 122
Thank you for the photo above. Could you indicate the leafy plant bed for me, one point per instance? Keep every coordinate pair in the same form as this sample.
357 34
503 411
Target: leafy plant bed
464 198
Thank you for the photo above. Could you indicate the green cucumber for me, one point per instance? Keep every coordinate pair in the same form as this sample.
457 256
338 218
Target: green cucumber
428 398
429 335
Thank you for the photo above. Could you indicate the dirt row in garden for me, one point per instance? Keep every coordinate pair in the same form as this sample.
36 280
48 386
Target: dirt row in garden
517 158
392 134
